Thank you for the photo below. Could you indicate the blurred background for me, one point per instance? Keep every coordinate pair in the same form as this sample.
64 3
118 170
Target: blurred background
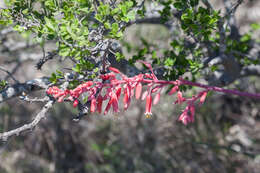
224 138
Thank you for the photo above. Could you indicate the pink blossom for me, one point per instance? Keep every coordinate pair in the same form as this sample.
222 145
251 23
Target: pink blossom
203 97
118 92
99 103
75 103
145 94
192 112
93 105
148 106
156 98
138 90
180 99
127 96
173 90
115 70
184 118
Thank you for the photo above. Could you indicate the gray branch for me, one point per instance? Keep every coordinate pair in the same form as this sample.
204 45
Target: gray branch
18 89
42 114
251 70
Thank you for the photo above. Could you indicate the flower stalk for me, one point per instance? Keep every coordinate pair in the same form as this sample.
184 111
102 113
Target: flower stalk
133 86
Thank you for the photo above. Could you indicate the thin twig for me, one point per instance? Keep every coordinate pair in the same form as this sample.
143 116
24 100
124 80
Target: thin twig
234 7
26 98
9 74
42 114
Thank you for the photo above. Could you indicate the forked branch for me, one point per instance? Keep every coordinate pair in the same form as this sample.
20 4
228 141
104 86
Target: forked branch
42 114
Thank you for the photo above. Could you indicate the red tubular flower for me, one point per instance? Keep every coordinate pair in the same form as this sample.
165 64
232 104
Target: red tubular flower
180 98
53 90
108 107
99 103
112 102
192 112
173 90
203 97
118 92
148 106
75 103
154 90
127 96
108 76
156 98
145 94
184 118
138 90
93 105
148 65
115 70
61 98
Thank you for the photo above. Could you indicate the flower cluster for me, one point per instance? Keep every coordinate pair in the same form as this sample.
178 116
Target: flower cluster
131 87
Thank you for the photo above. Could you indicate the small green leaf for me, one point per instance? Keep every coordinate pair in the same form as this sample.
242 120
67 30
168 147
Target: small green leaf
107 25
49 23
64 51
131 15
255 26
115 28
169 62
77 68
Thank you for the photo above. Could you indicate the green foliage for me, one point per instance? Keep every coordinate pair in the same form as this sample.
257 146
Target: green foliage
70 23
3 84
56 76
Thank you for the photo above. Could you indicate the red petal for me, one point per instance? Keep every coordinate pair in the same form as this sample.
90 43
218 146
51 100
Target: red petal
126 96
118 92
61 98
155 89
180 98
138 91
114 102
108 107
203 97
148 106
99 103
173 90
75 104
192 112
156 98
93 105
144 95
115 70
148 65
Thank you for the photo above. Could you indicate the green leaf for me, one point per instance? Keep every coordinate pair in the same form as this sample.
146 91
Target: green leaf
25 11
107 25
53 78
194 3
49 23
115 28
245 38
64 51
85 99
99 17
255 26
214 68
119 56
77 68
129 4
169 62
178 5
131 15
123 9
